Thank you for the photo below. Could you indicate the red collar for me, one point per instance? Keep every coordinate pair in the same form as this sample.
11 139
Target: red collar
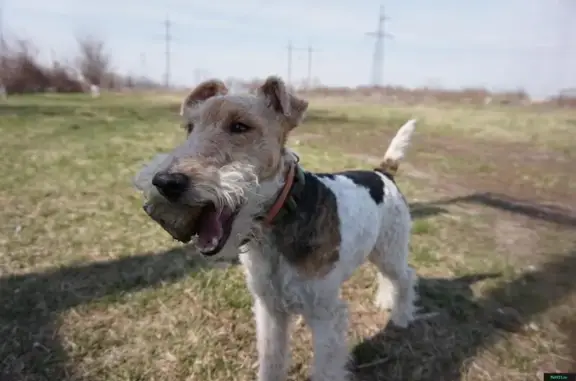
279 203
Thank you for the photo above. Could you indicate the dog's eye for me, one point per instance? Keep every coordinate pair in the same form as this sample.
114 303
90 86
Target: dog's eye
238 128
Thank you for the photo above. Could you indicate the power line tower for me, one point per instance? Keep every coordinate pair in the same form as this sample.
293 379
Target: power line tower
2 51
2 40
378 58
309 80
167 40
2 25
142 65
291 49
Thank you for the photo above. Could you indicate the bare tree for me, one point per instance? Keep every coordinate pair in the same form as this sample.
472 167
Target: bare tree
93 60
21 70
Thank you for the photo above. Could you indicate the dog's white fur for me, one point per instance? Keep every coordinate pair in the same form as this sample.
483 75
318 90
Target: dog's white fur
378 232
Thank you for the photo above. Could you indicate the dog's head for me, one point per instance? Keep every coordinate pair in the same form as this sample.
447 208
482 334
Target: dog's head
232 162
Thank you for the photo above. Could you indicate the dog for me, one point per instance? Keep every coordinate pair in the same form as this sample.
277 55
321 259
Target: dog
235 189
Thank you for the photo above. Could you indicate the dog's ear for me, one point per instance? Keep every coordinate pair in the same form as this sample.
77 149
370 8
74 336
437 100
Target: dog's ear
280 100
203 91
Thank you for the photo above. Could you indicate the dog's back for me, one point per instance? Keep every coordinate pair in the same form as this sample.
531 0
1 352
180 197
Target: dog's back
372 214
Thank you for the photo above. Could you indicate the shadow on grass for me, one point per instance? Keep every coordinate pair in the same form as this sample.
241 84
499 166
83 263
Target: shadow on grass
422 210
440 348
550 213
436 349
30 304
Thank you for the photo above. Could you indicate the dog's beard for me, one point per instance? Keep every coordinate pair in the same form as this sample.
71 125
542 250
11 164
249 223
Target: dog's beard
235 196
217 218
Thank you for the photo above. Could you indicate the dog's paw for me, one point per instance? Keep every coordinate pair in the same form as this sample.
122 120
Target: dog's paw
403 318
384 300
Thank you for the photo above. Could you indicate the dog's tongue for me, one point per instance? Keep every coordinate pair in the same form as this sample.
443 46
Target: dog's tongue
210 231
211 228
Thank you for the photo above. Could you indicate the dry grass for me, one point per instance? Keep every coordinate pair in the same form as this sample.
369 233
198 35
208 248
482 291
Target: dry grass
90 289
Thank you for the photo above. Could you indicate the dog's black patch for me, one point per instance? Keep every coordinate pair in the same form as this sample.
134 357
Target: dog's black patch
309 235
391 177
367 179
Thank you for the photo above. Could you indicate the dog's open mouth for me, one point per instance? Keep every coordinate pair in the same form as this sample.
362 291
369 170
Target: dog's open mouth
212 228
210 225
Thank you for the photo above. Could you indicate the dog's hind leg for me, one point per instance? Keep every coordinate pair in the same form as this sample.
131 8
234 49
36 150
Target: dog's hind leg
396 279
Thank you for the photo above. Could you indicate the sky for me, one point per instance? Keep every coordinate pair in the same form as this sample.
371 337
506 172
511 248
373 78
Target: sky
498 44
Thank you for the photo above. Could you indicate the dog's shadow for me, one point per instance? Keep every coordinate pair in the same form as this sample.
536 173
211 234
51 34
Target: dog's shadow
440 348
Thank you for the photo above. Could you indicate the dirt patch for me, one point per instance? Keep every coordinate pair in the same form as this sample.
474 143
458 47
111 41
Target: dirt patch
518 170
512 235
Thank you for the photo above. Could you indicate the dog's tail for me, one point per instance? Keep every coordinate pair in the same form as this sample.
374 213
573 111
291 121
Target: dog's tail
397 148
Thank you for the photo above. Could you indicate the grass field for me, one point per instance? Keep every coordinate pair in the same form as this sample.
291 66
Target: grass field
91 289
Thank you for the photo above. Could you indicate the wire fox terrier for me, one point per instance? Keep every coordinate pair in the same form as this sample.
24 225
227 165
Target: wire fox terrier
234 188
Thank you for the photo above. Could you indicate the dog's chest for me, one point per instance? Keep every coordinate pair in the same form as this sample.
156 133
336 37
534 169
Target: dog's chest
278 284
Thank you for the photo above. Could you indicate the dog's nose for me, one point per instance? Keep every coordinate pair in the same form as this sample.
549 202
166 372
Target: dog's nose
170 185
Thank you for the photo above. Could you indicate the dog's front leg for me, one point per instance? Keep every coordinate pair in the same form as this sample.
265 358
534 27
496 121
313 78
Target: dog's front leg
329 329
272 336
